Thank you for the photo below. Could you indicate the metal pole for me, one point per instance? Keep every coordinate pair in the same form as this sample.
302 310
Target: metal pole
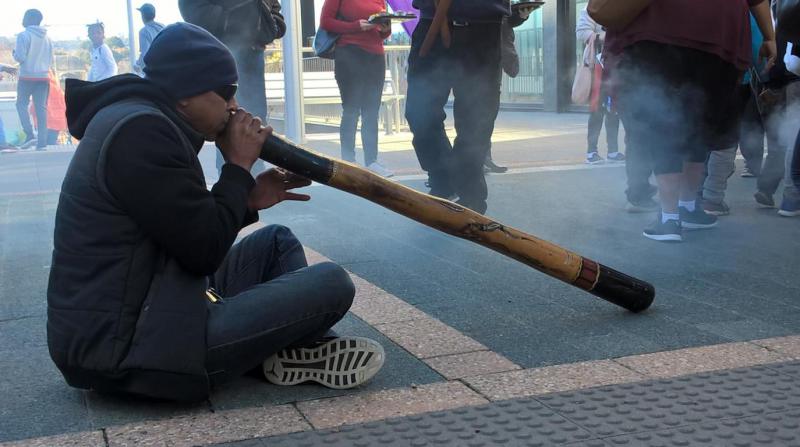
131 36
293 71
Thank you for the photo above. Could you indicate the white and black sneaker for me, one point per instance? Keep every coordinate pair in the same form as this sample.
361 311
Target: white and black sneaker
593 158
669 231
339 363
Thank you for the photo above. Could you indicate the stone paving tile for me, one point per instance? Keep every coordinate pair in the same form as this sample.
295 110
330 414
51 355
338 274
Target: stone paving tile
551 379
478 363
82 439
429 337
223 426
701 359
385 404
787 346
376 306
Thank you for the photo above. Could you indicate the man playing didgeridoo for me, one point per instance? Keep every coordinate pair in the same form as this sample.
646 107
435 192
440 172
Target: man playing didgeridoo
462 54
139 241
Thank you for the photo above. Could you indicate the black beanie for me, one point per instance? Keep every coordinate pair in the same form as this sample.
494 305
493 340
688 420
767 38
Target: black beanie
186 60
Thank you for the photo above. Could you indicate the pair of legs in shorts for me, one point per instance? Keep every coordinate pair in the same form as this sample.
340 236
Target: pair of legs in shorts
677 104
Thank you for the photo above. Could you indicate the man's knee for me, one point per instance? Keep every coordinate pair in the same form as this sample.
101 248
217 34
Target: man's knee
273 236
333 284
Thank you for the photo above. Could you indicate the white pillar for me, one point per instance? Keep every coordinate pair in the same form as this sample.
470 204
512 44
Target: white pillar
131 36
293 71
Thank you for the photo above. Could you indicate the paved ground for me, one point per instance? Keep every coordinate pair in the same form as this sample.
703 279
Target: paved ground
463 326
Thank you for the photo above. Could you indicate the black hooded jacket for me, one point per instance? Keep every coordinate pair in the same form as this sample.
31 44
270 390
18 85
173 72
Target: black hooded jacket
136 233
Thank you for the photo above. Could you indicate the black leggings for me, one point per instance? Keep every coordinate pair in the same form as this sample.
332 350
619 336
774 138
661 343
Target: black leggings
360 77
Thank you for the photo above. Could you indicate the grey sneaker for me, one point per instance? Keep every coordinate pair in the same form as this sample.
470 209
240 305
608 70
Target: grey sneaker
697 219
647 205
717 209
380 169
339 363
669 231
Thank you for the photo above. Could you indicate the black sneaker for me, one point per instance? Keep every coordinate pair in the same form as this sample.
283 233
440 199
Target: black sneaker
616 157
479 206
490 166
669 231
764 200
697 219
339 363
748 173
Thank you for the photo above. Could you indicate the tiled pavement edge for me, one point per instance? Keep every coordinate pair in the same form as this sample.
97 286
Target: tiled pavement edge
476 376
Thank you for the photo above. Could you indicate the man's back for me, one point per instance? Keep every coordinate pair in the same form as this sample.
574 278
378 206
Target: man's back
34 52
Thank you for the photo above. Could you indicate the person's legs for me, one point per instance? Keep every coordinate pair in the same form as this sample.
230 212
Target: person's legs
751 133
374 73
252 93
774 167
430 80
612 131
24 91
40 92
271 300
594 127
721 165
790 204
350 80
476 102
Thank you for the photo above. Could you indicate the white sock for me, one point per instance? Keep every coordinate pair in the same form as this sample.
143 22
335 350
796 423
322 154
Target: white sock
688 205
669 216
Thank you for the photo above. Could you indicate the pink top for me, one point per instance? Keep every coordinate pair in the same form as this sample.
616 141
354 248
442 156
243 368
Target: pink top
720 27
347 26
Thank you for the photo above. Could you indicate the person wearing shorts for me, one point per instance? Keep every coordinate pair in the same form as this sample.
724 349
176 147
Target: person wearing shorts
676 98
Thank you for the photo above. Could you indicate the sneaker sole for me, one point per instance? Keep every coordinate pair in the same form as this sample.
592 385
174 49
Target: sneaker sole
342 363
594 162
785 213
635 209
663 237
717 213
697 226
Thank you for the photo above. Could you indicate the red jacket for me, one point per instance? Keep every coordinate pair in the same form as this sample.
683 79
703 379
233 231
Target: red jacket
349 12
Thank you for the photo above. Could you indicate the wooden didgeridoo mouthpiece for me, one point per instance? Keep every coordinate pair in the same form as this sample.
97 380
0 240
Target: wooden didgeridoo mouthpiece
613 286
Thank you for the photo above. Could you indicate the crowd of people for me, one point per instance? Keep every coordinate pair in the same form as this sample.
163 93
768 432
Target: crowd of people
692 93
142 247
37 78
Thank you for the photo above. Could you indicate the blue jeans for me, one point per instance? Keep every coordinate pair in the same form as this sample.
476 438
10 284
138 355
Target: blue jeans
359 75
39 90
271 299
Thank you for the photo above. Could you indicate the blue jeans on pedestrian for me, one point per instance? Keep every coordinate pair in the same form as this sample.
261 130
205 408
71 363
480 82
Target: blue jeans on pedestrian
272 299
3 141
39 90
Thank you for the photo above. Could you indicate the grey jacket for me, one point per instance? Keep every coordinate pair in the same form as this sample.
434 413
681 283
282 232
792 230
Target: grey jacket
34 52
146 36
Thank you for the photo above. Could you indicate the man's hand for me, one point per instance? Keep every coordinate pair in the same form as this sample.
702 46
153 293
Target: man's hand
272 187
241 141
384 27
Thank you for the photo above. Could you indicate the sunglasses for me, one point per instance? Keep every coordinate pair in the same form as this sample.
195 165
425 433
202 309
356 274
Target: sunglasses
226 92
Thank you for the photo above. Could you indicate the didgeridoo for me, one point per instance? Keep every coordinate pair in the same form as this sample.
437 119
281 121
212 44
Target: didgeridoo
613 286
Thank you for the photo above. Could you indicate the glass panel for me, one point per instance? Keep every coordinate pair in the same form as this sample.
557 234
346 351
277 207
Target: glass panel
580 5
528 86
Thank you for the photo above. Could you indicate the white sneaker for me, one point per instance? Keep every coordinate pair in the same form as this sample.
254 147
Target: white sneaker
339 363
380 169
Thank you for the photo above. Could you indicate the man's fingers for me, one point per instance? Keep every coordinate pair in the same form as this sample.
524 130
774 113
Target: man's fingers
298 197
298 182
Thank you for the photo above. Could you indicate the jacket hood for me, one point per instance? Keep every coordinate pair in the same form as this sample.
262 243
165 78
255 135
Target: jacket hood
36 30
84 99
